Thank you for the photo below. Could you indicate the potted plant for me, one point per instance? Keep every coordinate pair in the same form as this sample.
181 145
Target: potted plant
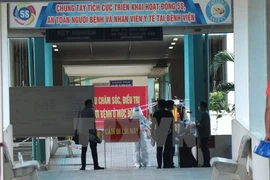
218 98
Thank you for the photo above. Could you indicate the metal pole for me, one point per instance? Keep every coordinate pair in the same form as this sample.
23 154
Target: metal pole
105 160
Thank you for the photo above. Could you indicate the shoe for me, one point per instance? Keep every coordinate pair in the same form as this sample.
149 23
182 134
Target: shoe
208 165
137 165
148 165
99 168
82 169
158 167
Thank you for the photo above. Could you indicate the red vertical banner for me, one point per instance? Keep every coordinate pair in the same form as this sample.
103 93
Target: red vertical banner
117 102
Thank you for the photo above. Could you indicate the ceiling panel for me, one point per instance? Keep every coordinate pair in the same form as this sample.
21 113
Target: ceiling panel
105 71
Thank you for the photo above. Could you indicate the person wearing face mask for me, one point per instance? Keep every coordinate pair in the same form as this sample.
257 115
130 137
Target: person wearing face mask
140 148
204 132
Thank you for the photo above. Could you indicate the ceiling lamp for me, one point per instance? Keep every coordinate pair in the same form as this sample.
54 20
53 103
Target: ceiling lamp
175 39
56 49
54 46
171 47
173 43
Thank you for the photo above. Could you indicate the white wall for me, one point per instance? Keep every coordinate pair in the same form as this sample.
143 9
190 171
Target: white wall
137 81
11 61
259 166
8 139
230 66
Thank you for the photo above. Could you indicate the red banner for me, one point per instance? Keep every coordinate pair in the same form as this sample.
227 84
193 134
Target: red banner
117 102
121 130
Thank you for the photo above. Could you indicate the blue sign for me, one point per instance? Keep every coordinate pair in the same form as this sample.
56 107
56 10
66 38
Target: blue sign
119 13
121 83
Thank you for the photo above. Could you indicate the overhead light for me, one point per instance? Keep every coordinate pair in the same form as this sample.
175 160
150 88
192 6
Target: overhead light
173 43
56 49
175 39
171 47
54 46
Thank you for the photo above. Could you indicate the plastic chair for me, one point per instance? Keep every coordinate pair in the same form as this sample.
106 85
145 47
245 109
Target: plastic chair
229 169
26 170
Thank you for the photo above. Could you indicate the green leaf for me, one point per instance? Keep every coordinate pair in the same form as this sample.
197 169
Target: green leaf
220 59
219 116
225 87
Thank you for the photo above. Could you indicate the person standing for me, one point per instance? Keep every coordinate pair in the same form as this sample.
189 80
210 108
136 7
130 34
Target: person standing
87 122
140 148
170 108
204 132
162 130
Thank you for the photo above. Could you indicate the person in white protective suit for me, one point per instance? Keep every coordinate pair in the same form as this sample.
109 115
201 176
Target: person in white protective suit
140 148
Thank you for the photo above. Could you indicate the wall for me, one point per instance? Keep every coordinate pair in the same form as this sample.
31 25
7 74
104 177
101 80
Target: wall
11 61
8 139
137 81
177 76
258 166
57 73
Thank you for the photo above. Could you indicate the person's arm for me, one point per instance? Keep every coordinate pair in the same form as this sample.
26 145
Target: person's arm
146 123
202 121
92 117
267 118
153 126
267 113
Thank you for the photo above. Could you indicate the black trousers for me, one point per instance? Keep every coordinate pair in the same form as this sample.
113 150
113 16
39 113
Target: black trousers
165 153
205 150
93 147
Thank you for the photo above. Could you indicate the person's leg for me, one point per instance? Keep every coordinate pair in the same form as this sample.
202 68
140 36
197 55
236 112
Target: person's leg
93 146
206 152
136 153
159 156
144 149
83 158
173 152
167 154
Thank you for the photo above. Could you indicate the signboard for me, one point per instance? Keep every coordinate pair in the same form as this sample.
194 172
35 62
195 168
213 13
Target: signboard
121 83
104 34
128 13
118 102
121 130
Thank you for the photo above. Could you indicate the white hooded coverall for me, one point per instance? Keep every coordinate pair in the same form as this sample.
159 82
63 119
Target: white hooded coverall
140 148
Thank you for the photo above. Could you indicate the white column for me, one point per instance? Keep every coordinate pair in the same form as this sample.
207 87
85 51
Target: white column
4 74
250 63
230 66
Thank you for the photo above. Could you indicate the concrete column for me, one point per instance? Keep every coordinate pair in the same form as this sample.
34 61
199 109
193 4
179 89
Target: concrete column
4 76
251 40
43 62
5 65
166 82
151 92
43 76
87 82
250 63
194 73
31 62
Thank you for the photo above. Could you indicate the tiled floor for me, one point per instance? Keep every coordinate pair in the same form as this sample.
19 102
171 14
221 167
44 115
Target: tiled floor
130 174
119 164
